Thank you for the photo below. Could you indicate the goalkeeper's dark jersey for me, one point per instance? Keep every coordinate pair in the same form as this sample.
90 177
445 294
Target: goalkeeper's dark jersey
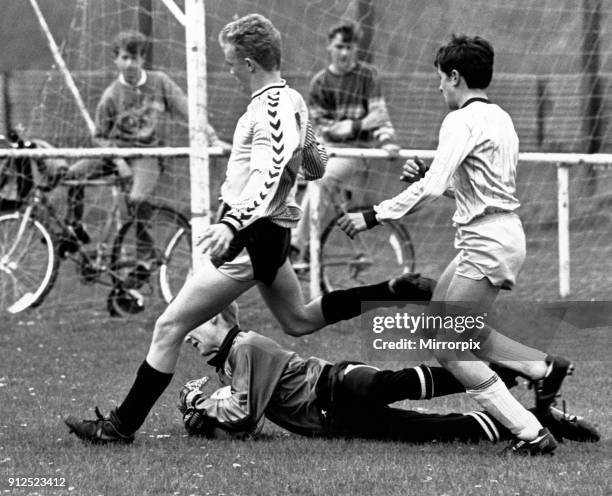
265 379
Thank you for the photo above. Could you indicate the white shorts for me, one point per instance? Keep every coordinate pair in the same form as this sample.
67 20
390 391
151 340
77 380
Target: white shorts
492 246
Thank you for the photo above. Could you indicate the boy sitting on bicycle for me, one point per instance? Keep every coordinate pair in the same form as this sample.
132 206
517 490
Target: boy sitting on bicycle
128 115
348 109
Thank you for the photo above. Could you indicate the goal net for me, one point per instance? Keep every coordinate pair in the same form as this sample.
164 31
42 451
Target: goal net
552 73
56 118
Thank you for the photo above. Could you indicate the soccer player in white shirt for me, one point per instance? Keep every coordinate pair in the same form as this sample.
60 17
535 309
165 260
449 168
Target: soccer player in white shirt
250 242
475 163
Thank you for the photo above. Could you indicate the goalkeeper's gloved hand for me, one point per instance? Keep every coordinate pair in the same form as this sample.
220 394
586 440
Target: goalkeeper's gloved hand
198 423
190 393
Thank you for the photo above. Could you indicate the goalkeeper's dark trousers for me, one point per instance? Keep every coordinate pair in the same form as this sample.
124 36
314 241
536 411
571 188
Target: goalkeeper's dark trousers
356 399
396 424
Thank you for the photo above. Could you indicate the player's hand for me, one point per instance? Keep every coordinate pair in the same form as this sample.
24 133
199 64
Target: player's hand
341 130
196 422
352 223
413 170
124 171
216 240
190 393
392 149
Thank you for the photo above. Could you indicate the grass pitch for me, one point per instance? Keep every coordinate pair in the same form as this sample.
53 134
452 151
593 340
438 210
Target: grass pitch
53 365
66 358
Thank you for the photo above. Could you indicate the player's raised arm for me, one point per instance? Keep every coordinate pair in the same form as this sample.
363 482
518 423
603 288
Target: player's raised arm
454 144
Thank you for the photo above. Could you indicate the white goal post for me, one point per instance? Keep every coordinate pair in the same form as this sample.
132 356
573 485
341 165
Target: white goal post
563 162
195 47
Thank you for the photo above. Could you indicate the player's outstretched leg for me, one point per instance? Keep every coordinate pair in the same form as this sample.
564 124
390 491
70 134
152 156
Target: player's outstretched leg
344 304
285 299
361 383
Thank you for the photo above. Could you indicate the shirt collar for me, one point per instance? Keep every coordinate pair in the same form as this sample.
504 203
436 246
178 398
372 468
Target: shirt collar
281 84
476 99
337 74
141 81
219 359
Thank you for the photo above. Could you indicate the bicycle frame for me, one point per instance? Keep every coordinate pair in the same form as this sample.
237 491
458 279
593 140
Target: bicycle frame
111 260
112 223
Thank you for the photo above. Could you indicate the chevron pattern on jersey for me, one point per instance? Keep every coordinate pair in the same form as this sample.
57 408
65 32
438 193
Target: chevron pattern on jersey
278 148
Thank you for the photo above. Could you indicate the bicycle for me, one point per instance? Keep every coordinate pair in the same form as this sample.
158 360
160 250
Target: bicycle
365 259
31 233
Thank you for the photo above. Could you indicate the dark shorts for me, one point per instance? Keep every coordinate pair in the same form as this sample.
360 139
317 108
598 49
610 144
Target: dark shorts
256 252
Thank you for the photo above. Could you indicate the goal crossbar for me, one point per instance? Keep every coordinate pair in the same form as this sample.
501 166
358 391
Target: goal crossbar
367 153
563 161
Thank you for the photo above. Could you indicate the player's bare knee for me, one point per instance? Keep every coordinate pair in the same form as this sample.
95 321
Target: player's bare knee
291 329
296 327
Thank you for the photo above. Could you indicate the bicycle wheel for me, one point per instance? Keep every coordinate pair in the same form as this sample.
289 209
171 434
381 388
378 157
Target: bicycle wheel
370 257
136 273
177 263
28 262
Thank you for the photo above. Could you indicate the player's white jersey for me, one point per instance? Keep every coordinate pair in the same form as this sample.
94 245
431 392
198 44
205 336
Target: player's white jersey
265 159
476 158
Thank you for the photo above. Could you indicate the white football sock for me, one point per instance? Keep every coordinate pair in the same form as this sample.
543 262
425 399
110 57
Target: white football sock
494 397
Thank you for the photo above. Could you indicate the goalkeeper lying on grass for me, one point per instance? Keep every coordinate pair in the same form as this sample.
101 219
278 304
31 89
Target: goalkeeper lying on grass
314 397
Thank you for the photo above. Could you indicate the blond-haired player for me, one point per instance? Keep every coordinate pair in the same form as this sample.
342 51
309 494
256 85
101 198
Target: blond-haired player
249 244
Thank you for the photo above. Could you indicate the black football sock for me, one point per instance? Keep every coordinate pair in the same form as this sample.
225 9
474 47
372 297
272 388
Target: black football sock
146 390
440 382
344 304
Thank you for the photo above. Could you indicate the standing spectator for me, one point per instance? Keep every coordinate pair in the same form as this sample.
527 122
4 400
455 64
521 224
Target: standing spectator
348 109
